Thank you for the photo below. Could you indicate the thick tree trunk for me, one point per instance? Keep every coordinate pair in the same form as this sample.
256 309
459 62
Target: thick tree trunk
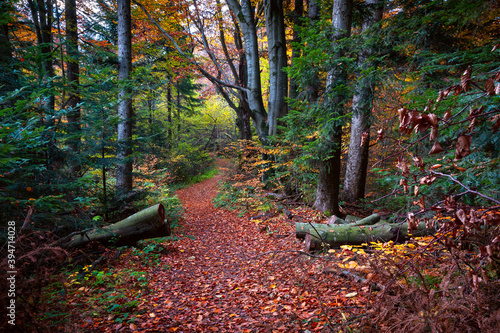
125 113
362 103
327 191
278 79
244 12
148 223
338 235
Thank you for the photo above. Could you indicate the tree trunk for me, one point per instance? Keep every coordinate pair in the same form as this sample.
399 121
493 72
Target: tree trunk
148 223
312 89
73 75
327 191
338 235
169 116
298 12
244 12
362 103
278 79
125 113
301 229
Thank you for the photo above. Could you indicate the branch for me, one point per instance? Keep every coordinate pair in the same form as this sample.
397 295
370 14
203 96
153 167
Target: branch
185 55
465 187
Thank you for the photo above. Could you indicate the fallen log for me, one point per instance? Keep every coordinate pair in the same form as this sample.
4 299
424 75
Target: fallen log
302 228
148 223
338 235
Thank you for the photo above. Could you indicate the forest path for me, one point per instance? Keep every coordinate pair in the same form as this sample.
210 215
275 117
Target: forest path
227 276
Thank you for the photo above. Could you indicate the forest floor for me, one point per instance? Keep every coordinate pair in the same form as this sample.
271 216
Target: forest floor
226 273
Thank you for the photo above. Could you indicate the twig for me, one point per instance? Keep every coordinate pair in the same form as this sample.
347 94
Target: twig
465 187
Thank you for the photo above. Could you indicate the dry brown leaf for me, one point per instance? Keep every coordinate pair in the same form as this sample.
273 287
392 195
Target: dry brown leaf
427 180
380 134
463 146
364 138
465 79
433 120
497 76
440 96
447 115
434 133
420 202
404 182
419 163
489 86
436 148
496 122
462 217
459 168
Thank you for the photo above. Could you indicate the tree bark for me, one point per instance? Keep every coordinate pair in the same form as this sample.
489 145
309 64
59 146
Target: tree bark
41 13
148 223
125 112
362 104
244 12
312 89
338 235
327 191
278 79
301 229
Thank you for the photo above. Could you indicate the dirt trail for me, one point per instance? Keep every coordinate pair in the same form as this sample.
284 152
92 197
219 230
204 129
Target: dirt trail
227 276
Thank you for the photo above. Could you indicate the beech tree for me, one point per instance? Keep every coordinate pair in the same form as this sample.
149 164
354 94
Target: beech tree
278 79
362 104
327 190
125 112
244 11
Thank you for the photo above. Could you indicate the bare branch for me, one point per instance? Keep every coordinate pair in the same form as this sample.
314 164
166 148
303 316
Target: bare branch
465 187
187 56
